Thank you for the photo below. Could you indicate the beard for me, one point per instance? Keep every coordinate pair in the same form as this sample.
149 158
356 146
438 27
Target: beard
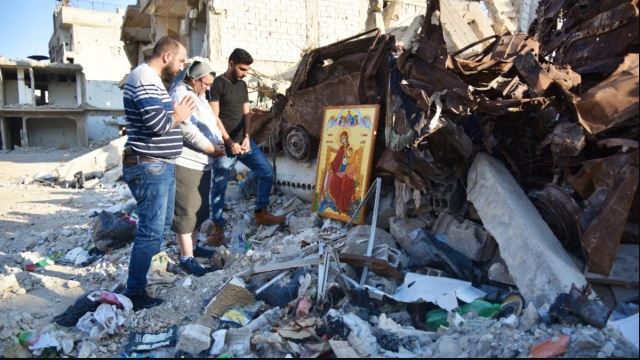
167 74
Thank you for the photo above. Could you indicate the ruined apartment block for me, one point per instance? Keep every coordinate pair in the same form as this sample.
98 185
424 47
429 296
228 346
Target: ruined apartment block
74 99
278 32
275 32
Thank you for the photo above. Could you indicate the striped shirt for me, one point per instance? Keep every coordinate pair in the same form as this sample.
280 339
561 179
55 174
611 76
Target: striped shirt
148 109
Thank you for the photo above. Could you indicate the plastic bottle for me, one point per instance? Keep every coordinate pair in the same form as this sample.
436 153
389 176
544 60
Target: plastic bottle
238 242
27 338
438 317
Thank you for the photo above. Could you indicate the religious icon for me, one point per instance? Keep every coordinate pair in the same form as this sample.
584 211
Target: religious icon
345 160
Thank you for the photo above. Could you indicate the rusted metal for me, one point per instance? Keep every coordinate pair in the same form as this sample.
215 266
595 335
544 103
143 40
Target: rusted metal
614 100
297 143
614 181
591 30
566 142
349 72
560 211
305 107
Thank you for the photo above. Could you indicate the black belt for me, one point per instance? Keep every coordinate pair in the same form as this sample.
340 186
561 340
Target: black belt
135 159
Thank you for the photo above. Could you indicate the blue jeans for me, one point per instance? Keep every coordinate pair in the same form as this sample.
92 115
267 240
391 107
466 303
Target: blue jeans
153 185
254 160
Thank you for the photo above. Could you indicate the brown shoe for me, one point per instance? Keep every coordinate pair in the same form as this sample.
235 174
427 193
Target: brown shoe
264 218
216 236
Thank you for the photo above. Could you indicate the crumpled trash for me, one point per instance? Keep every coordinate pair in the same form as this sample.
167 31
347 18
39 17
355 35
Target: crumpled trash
107 297
282 293
360 335
428 251
239 317
108 318
57 339
30 266
238 243
74 312
77 256
439 317
140 341
159 270
218 346
113 231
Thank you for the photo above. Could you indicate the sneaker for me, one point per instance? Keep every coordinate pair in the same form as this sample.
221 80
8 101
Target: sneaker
143 301
201 252
192 267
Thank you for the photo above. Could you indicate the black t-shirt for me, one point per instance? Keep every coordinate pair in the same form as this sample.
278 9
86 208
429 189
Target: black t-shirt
231 96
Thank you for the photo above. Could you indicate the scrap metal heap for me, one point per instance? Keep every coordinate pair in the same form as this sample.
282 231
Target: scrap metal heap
557 106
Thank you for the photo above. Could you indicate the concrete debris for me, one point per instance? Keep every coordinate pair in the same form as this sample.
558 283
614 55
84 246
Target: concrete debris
194 339
401 228
539 265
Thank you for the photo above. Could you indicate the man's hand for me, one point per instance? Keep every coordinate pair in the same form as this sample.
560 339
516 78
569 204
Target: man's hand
236 149
182 110
246 145
218 150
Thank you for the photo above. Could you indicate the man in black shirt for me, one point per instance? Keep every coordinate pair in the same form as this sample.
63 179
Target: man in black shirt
229 99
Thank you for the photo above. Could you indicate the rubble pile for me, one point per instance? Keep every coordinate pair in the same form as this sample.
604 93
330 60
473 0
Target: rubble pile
508 221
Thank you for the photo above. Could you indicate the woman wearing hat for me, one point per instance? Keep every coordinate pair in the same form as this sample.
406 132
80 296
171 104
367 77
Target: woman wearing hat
202 142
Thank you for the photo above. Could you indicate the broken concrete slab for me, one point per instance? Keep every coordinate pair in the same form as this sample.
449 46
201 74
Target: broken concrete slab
401 228
194 339
537 262
358 239
101 159
298 224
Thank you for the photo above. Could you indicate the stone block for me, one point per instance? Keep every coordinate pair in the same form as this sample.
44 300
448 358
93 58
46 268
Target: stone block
536 260
298 224
194 339
358 239
401 228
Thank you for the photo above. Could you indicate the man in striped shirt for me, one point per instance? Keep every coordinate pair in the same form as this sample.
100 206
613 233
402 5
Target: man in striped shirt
154 140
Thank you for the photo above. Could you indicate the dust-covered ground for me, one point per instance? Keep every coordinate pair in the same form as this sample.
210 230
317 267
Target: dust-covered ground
37 220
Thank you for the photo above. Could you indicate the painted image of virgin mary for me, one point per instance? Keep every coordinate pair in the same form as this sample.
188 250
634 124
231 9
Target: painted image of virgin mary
340 176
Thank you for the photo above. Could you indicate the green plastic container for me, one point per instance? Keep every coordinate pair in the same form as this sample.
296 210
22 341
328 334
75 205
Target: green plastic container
438 317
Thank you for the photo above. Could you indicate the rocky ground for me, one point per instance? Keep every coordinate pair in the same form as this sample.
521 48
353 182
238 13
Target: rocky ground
38 221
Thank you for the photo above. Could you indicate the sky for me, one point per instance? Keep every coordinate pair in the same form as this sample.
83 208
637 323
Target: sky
26 25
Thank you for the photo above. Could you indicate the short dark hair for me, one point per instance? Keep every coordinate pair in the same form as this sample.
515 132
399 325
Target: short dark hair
241 56
166 43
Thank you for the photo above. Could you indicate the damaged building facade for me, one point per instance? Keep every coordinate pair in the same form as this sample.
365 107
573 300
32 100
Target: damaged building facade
276 33
74 99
